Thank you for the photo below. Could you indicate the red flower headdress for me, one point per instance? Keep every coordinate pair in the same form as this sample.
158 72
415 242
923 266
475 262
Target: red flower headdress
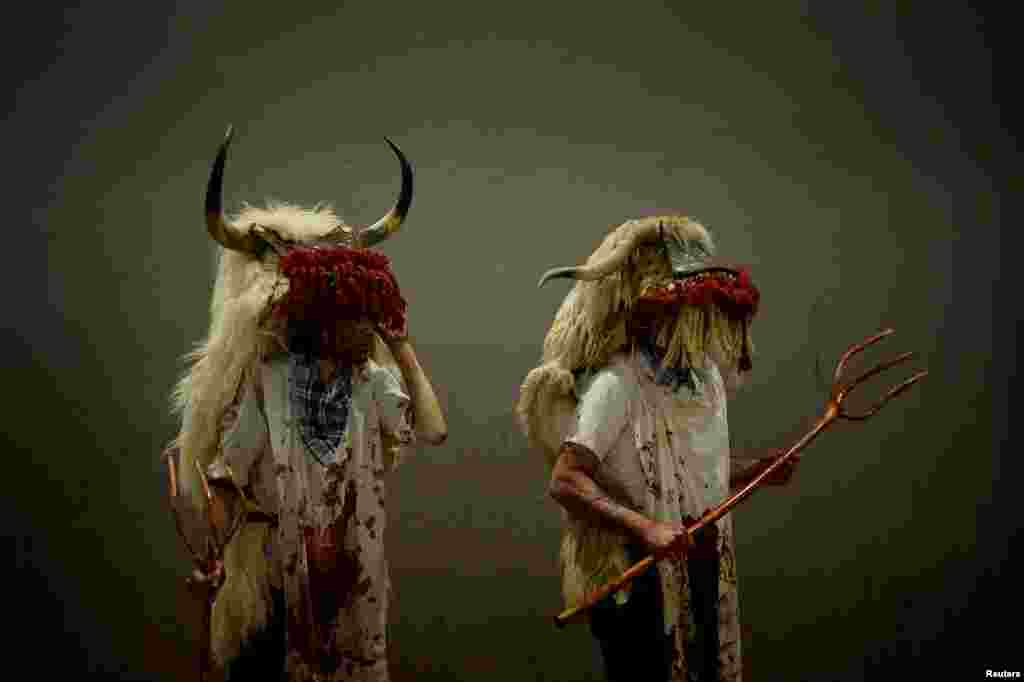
342 283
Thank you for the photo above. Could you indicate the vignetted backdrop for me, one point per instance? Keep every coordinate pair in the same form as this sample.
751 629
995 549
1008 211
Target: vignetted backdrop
847 154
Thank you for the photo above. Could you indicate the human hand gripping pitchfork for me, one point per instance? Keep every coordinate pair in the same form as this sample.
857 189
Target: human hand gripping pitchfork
208 575
834 410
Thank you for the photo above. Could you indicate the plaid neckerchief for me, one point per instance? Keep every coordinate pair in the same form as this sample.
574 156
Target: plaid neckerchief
321 409
672 377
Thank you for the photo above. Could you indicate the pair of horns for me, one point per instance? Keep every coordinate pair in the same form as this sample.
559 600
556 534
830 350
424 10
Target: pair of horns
231 238
640 232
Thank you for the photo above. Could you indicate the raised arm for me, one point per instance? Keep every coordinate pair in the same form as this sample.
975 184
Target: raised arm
431 426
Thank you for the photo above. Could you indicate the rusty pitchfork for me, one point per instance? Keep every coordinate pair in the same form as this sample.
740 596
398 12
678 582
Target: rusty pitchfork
834 410
207 576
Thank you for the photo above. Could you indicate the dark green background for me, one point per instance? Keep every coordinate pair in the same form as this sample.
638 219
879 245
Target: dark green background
849 155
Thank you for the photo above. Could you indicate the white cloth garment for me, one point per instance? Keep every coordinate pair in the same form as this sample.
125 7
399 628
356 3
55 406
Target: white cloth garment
328 549
664 452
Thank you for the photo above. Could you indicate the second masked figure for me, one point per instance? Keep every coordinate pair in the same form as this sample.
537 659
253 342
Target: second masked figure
629 406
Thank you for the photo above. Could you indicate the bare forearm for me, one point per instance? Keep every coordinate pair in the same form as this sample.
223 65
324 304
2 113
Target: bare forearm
577 492
573 485
430 421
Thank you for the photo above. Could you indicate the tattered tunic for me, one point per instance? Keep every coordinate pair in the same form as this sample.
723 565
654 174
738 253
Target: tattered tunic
663 448
312 453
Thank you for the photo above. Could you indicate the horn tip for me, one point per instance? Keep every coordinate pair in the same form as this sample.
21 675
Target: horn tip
406 166
554 273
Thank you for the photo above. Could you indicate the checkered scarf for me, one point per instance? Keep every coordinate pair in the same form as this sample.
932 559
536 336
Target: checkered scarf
322 409
672 377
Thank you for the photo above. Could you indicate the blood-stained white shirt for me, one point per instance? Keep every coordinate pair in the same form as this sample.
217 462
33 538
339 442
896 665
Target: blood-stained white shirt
328 549
664 452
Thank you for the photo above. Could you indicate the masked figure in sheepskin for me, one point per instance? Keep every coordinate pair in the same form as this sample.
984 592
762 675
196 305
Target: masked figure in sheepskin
297 405
629 406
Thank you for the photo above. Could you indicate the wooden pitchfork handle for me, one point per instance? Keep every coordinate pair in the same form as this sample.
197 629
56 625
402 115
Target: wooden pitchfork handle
834 410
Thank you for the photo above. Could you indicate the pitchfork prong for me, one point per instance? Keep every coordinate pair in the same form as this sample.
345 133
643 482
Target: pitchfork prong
840 390
219 546
209 508
202 479
172 474
893 392
858 349
239 520
878 369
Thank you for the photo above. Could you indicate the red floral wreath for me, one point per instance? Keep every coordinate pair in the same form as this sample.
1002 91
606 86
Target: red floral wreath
734 293
341 283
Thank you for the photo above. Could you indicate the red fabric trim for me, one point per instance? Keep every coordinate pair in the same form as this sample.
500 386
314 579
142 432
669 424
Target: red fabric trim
737 298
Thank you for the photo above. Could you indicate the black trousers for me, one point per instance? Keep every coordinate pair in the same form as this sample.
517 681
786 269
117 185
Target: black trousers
262 656
632 638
